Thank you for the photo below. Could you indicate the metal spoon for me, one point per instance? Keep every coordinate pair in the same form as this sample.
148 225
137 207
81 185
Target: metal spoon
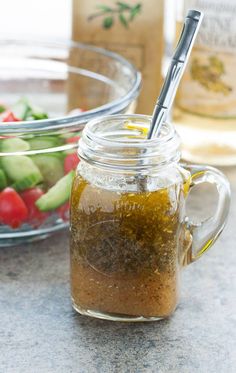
176 69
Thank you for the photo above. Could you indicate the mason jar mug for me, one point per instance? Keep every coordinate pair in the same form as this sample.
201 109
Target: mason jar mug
130 236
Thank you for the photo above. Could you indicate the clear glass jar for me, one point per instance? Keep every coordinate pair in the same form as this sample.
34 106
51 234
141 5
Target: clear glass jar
130 236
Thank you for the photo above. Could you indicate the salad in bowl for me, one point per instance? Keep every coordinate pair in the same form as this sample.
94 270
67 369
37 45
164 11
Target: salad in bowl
49 92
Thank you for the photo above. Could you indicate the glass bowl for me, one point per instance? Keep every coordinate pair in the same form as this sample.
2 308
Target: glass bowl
73 83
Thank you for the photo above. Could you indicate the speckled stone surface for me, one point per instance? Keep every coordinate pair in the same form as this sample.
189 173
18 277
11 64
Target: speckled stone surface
40 333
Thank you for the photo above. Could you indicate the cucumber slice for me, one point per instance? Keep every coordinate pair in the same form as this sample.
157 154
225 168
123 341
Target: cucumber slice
44 142
24 110
19 167
39 115
3 180
50 166
26 183
14 145
2 108
21 109
57 195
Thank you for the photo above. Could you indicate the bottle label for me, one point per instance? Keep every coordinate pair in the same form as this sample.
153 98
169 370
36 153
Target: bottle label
208 86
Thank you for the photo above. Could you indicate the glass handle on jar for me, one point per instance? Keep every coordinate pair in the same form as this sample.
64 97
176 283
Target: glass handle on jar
206 232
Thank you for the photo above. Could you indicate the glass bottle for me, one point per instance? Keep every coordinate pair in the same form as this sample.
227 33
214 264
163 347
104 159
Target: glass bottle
130 236
205 107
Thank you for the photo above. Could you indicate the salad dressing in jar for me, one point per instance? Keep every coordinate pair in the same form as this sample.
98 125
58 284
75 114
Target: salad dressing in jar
129 233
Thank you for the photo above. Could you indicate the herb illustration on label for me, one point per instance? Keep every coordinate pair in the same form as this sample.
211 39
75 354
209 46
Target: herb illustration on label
122 11
210 75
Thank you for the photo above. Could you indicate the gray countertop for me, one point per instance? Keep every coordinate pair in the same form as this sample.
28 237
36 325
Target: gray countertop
39 331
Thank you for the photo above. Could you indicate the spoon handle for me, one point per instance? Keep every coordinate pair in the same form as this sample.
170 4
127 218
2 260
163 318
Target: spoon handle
176 69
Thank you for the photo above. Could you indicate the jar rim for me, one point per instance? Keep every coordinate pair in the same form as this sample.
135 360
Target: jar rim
167 132
120 141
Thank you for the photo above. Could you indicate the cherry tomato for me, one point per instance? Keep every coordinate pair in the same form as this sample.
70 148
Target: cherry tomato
70 163
72 140
35 216
13 210
64 211
9 116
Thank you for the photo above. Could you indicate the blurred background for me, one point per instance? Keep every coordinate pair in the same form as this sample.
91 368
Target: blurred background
44 18
27 17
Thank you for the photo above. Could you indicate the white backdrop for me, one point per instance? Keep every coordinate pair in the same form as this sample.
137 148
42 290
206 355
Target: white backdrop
51 18
35 18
